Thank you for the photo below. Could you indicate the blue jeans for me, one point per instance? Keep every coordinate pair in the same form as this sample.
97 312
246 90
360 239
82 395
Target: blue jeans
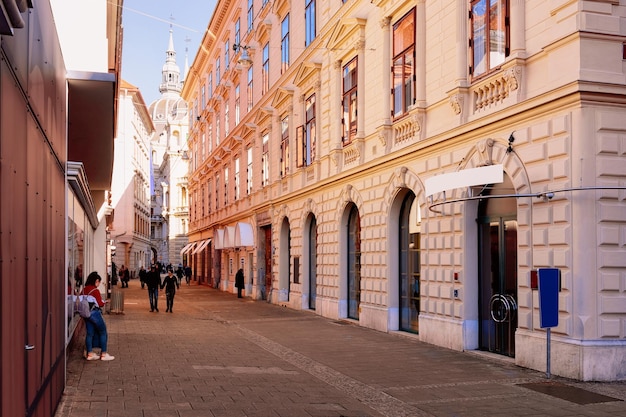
153 293
96 327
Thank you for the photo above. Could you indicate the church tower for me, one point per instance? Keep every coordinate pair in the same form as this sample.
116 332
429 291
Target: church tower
170 205
171 81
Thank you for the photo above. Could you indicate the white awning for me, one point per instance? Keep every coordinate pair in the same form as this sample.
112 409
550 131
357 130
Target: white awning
187 248
229 237
241 234
201 246
490 174
218 236
244 236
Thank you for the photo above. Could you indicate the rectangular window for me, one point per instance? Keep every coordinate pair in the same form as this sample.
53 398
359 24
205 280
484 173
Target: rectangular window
203 147
403 70
284 44
266 69
217 129
226 119
202 203
217 71
210 196
226 55
217 191
284 147
250 15
250 172
194 214
237 32
265 161
489 35
209 131
310 30
225 185
250 90
237 178
203 97
210 84
309 131
237 104
350 72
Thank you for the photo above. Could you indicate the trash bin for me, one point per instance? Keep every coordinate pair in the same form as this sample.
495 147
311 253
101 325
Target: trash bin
117 301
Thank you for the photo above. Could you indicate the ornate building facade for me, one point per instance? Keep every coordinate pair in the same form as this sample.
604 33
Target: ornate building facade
413 166
130 189
170 206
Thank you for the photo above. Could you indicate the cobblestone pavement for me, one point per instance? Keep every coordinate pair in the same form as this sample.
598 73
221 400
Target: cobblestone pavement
220 356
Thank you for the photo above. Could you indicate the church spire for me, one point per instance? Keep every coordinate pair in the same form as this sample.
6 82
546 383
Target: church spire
170 82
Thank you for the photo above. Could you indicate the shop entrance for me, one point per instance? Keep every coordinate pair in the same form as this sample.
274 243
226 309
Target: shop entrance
497 239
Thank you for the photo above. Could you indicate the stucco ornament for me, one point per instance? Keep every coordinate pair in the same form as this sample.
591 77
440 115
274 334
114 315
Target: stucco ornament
485 151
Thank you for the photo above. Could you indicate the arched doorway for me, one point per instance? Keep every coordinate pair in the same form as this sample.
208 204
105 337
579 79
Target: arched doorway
409 264
497 256
284 261
354 262
311 260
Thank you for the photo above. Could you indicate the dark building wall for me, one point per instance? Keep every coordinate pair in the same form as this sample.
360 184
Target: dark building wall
33 149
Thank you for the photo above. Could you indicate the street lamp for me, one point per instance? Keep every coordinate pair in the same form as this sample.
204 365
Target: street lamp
244 60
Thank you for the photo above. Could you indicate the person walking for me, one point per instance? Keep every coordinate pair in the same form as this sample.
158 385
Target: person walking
170 283
187 274
95 325
180 273
123 273
239 282
142 276
153 282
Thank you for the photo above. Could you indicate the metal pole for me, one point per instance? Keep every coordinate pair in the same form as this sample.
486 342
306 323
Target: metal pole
548 353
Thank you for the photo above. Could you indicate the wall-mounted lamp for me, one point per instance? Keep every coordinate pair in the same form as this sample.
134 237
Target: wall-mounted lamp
244 60
509 149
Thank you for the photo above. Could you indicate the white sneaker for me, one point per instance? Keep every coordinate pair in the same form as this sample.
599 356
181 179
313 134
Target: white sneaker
92 357
106 357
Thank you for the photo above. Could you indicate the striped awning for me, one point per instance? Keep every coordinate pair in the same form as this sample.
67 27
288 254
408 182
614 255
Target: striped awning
187 248
202 244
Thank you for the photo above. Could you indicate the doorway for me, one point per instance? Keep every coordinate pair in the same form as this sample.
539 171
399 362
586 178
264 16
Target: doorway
409 264
312 262
266 289
354 263
497 240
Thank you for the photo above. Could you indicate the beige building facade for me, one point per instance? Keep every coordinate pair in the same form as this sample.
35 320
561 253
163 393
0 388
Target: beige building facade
130 188
417 167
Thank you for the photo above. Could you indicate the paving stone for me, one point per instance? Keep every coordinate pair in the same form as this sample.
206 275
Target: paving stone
219 356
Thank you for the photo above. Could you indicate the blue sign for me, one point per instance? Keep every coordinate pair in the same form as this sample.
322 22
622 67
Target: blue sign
549 280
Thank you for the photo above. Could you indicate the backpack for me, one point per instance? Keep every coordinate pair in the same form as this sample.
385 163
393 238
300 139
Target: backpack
82 305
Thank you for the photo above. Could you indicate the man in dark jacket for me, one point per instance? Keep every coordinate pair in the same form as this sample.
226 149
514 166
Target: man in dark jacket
239 282
153 282
142 276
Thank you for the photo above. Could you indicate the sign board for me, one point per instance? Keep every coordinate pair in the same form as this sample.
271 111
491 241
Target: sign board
490 174
549 279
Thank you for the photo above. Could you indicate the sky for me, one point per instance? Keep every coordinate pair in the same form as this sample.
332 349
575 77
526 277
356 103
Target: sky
146 35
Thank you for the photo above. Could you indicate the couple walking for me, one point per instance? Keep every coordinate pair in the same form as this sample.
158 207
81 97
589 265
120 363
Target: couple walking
170 283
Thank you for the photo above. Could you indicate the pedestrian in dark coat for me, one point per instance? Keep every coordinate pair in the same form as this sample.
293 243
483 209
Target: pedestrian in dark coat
170 283
187 271
143 274
239 282
153 282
